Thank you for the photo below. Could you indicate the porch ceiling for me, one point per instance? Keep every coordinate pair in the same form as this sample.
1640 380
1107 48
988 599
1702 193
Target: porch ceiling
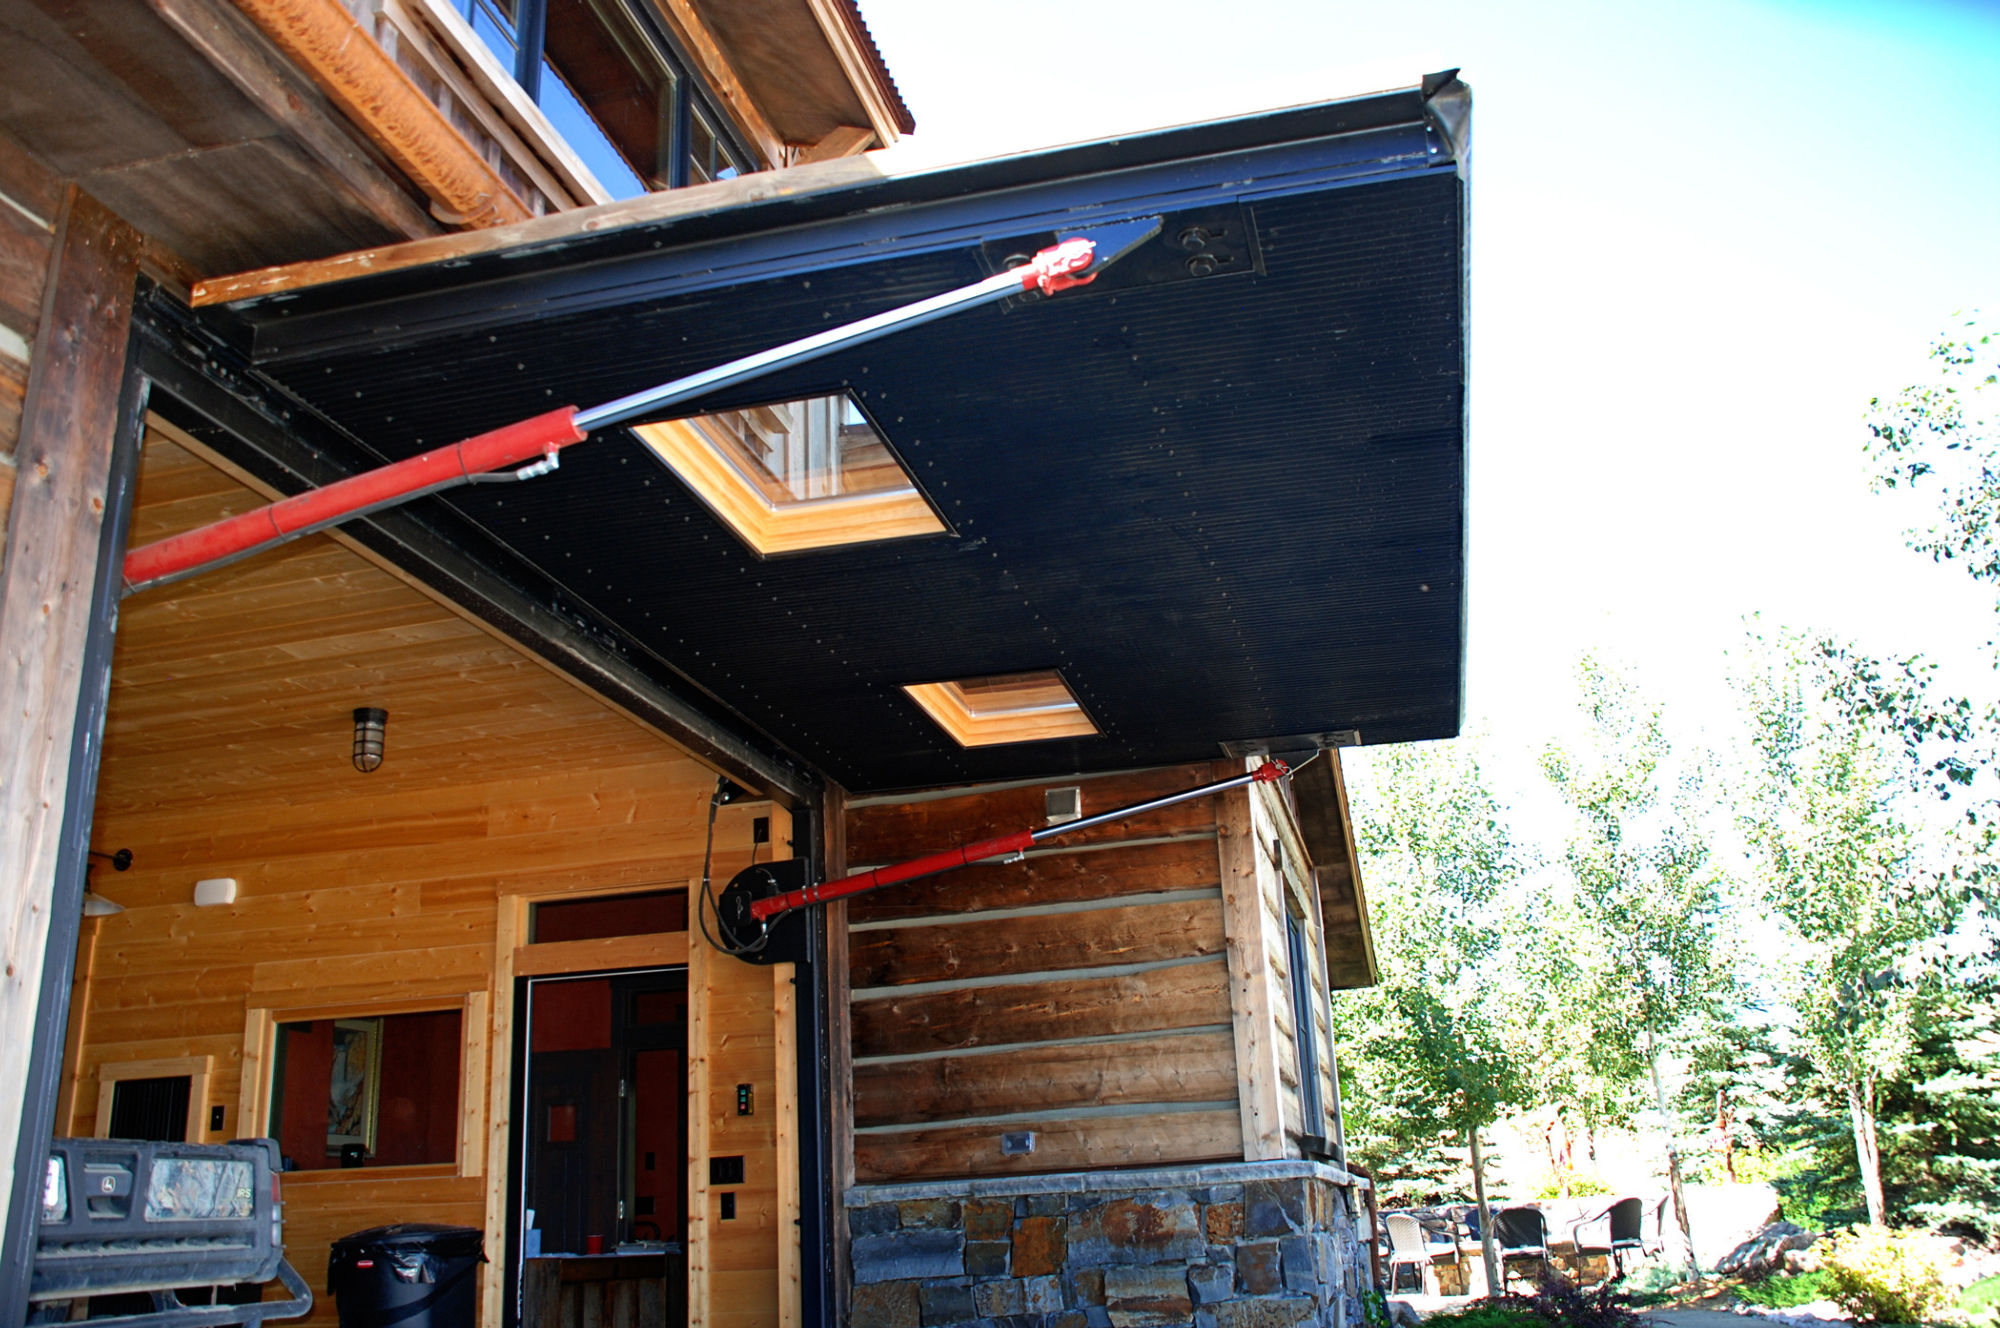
1226 508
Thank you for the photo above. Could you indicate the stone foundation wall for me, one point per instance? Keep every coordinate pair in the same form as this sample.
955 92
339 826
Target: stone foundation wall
1234 1245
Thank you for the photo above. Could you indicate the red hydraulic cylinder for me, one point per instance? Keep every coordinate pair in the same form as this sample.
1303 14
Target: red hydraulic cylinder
952 858
523 441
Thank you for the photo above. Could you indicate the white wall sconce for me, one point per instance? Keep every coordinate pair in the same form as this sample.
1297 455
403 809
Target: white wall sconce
370 729
215 892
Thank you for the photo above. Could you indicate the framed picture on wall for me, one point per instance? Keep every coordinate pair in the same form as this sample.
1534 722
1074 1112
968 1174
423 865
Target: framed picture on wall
354 1094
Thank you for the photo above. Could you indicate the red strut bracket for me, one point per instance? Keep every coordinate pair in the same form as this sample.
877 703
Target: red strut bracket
1055 268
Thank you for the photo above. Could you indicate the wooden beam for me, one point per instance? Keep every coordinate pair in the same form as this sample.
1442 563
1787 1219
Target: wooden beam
655 950
275 87
330 44
842 141
757 187
69 427
1250 1012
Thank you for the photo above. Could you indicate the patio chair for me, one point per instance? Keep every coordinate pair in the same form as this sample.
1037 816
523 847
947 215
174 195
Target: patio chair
1522 1232
1656 1243
1410 1244
1611 1230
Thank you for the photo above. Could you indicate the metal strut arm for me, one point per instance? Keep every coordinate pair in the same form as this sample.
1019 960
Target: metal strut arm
1074 261
763 910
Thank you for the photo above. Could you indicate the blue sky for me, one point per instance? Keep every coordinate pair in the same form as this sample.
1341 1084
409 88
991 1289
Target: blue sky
1704 234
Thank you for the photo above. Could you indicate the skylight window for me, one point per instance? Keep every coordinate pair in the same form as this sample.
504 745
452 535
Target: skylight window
795 475
1008 707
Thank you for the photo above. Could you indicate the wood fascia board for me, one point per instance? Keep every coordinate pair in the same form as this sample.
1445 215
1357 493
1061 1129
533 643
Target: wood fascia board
858 68
243 55
325 40
719 196
1259 1094
55 527
1367 930
696 38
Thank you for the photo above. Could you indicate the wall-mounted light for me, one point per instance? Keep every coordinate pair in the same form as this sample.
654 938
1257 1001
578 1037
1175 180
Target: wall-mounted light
96 905
370 725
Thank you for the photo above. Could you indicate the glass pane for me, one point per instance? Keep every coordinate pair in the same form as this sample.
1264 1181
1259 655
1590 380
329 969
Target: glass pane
379 1091
584 137
186 1189
798 451
562 1123
1013 694
620 915
494 25
618 82
1008 707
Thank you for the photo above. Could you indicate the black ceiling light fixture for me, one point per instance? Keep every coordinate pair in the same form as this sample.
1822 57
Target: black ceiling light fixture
370 727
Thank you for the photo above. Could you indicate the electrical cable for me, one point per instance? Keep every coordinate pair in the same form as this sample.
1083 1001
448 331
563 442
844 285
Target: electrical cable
705 902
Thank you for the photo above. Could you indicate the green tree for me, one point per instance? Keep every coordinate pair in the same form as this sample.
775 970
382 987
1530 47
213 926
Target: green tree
1823 812
1645 887
1437 1059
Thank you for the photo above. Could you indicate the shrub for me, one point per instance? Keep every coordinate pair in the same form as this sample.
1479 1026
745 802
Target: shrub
1556 1305
1980 1302
1567 1184
1884 1276
1784 1291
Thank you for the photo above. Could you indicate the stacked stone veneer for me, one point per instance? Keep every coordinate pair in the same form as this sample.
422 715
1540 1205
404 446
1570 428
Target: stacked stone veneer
1238 1245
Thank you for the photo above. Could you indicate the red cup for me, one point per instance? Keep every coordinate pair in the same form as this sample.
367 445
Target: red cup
593 1244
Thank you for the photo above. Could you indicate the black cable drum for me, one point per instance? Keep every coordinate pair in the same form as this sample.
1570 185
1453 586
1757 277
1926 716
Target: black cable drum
408 1275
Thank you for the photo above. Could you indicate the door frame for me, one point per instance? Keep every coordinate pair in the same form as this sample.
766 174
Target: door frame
516 1186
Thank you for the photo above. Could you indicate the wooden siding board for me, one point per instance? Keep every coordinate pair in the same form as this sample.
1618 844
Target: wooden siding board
879 832
1183 996
1122 1140
1139 933
1056 877
1187 1067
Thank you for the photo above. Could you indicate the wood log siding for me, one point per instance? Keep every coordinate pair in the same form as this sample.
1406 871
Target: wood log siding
1080 994
30 200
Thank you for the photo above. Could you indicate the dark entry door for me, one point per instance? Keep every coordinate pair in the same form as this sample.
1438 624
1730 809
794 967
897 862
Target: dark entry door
605 1138
572 1173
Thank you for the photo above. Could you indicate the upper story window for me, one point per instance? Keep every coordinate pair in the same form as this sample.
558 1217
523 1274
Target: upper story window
612 88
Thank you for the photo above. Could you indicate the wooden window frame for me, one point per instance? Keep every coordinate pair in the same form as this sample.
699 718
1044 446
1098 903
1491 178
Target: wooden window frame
260 1032
198 1069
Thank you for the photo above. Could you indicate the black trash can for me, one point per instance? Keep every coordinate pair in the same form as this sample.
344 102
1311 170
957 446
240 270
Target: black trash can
410 1275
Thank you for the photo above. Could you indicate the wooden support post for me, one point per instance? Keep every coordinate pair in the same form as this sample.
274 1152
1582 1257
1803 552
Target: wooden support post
79 1019
839 1086
785 1052
69 430
1257 1087
510 928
